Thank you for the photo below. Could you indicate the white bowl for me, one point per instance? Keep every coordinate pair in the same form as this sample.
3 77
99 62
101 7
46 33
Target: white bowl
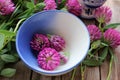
71 28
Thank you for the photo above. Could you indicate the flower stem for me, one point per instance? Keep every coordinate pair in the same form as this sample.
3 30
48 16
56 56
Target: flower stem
100 27
15 30
7 41
111 62
73 74
110 68
82 68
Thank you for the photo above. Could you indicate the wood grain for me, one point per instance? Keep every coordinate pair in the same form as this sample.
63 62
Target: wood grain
56 78
35 76
45 77
67 76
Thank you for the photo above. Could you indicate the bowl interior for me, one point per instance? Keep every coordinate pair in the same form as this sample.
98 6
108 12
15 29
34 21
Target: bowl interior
54 22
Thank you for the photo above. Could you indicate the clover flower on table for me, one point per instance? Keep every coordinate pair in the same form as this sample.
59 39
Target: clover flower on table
49 59
6 7
95 33
50 5
103 14
39 42
112 37
74 7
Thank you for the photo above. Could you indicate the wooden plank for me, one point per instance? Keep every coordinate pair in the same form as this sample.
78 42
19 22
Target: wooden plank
37 76
56 77
92 73
67 76
42 77
115 75
105 69
117 53
78 74
2 78
22 73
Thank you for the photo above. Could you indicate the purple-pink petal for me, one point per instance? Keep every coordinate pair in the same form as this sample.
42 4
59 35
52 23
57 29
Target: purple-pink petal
39 42
95 33
57 42
112 37
103 14
74 7
6 7
48 59
50 5
64 59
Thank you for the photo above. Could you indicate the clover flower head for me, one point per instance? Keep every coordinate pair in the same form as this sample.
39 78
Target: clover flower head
39 42
95 33
50 5
48 59
74 7
103 14
112 36
6 7
57 42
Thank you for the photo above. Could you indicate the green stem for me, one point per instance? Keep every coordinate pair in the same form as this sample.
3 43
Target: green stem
15 30
82 68
110 68
111 62
89 51
100 26
73 74
91 55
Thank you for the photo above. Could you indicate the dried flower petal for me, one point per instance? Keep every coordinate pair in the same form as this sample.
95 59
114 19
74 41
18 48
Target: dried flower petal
63 58
48 59
74 7
103 14
50 5
95 33
6 7
39 42
112 36
57 42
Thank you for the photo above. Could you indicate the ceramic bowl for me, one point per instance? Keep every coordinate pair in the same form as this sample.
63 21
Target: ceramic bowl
71 28
94 3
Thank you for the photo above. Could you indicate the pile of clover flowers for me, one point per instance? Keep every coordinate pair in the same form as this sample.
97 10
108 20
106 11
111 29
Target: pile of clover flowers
49 50
104 39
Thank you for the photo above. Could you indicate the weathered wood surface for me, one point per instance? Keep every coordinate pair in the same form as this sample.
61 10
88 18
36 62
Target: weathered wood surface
94 73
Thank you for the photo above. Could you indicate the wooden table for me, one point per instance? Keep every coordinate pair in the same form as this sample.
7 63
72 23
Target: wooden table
91 73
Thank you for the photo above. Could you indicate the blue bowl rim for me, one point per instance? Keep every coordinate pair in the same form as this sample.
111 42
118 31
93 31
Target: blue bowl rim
51 72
